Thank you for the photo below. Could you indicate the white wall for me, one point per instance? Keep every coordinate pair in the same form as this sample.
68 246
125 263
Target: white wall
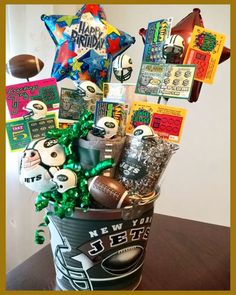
196 183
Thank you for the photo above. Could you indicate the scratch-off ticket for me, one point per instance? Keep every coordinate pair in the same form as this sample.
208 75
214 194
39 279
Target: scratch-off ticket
166 121
204 51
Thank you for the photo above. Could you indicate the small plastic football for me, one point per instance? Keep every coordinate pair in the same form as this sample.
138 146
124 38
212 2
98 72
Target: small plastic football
24 66
108 192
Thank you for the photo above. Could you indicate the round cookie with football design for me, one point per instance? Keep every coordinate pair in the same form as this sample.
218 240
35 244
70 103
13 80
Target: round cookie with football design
24 66
108 192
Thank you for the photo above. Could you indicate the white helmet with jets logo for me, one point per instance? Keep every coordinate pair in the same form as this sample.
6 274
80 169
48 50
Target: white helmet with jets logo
36 110
65 179
40 160
123 67
143 132
174 46
92 91
108 125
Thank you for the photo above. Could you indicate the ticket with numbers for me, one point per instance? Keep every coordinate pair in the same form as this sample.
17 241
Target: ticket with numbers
19 95
204 51
21 132
156 35
167 80
166 121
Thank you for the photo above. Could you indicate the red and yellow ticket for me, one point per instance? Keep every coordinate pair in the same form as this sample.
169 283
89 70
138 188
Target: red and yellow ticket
166 121
204 51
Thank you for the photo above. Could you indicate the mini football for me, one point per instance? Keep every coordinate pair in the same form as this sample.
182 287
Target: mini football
108 192
24 66
123 260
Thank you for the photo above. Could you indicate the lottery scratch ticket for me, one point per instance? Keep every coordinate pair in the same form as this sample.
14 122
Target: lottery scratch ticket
150 79
72 105
177 81
156 35
204 51
116 110
20 132
166 121
18 96
167 80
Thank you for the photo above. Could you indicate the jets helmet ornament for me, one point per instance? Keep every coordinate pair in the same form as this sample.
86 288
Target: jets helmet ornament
90 93
64 180
173 49
36 110
40 161
123 67
108 127
143 132
90 89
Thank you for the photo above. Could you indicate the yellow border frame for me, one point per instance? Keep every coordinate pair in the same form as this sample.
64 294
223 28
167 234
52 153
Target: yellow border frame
2 136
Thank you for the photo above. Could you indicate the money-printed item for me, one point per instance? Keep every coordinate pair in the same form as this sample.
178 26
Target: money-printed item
143 162
95 149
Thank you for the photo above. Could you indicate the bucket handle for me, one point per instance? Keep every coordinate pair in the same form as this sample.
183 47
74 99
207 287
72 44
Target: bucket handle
140 205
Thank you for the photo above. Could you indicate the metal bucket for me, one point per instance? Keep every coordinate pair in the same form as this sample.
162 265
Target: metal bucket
102 249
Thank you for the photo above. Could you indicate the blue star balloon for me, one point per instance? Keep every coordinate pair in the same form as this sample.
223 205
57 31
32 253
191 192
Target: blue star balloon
86 45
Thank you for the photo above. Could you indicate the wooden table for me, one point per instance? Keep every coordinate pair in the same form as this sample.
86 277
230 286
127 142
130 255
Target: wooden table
181 255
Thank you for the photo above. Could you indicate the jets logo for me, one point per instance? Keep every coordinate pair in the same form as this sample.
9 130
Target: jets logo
50 142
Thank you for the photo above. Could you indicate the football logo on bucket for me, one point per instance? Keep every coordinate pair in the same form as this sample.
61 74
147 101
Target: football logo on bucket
87 264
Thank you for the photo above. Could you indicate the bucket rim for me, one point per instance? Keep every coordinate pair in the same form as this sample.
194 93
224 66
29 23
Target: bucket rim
125 213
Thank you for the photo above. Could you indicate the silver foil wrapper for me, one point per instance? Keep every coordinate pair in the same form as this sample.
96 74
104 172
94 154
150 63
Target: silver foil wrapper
143 163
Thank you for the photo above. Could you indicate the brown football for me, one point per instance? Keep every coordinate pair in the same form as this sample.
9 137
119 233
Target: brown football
108 192
24 66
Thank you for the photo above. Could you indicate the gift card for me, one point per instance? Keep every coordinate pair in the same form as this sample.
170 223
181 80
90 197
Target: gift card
167 80
19 95
121 92
115 110
156 35
73 104
204 51
20 132
166 121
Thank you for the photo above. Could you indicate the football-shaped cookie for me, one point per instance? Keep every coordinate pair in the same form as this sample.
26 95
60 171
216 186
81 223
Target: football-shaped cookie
24 66
124 260
108 192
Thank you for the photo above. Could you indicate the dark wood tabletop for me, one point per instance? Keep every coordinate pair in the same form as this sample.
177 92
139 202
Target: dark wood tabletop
181 255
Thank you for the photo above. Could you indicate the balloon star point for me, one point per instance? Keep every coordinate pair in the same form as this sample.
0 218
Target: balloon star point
110 28
76 65
68 19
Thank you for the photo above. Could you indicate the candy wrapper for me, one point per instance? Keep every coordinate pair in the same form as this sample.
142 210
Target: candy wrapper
96 149
143 163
